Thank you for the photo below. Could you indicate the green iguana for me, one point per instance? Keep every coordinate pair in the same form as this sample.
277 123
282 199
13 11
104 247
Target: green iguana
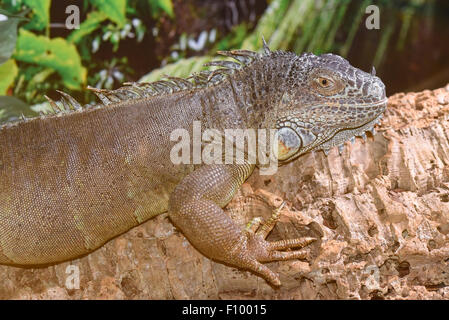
72 180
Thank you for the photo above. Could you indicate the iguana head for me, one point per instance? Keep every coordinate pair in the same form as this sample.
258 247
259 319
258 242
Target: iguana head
325 103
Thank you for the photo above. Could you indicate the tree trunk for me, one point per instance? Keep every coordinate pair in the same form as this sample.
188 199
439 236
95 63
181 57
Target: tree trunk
380 211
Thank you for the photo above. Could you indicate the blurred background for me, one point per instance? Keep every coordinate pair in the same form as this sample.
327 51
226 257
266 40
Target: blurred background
132 40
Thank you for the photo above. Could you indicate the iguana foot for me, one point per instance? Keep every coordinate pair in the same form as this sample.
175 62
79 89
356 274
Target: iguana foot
259 250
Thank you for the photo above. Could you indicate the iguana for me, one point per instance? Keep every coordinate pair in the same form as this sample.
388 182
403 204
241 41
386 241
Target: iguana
72 180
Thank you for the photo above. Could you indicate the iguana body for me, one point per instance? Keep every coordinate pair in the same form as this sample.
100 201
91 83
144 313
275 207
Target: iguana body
70 182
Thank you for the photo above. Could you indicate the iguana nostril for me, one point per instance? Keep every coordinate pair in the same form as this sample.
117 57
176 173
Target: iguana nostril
377 90
366 88
383 92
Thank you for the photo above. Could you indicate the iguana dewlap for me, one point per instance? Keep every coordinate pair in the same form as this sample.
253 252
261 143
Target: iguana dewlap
73 180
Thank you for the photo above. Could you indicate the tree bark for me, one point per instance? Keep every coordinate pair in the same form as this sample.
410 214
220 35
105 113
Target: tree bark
380 211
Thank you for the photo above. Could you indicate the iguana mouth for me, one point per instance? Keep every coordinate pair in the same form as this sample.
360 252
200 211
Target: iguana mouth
376 118
371 104
348 134
337 136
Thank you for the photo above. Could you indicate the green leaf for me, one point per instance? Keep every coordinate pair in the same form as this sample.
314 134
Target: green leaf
12 108
8 71
181 68
165 5
92 22
114 10
20 15
57 54
15 5
8 35
41 14
43 107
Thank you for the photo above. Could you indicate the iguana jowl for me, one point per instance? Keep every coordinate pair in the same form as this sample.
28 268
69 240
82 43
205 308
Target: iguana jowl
71 181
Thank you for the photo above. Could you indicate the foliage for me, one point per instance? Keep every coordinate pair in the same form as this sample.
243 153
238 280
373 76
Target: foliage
8 71
8 34
12 108
114 10
40 14
56 54
164 5
33 62
239 37
92 23
308 26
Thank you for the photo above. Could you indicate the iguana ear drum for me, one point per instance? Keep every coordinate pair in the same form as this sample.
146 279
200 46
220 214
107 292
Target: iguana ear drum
288 143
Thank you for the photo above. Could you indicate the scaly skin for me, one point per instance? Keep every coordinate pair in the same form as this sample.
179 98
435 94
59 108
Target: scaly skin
72 181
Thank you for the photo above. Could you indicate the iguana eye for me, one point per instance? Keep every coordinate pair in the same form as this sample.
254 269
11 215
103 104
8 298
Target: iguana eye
324 82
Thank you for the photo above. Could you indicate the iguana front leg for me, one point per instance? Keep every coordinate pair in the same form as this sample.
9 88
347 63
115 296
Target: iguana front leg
195 207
